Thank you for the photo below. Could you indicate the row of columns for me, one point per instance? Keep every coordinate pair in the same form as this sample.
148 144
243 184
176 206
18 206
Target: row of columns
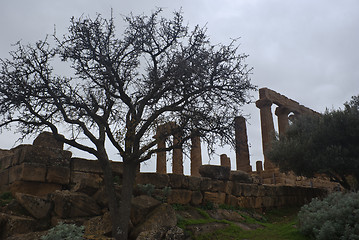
164 131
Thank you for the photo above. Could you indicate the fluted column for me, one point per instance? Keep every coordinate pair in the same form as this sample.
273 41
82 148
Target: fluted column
177 161
196 156
283 123
267 127
242 151
225 161
161 156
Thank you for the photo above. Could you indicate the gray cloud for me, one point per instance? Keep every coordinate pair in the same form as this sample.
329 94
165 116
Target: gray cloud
306 50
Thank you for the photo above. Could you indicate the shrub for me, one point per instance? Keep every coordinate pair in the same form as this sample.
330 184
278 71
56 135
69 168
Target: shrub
147 188
64 232
334 217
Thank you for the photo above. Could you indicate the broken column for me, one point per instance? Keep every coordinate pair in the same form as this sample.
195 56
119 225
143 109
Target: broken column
267 127
283 122
196 156
225 161
242 152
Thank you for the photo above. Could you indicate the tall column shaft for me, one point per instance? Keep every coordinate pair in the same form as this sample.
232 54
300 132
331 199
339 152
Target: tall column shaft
161 157
196 156
225 161
242 151
177 161
267 127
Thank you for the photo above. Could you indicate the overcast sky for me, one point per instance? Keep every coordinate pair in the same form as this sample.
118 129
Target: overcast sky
306 50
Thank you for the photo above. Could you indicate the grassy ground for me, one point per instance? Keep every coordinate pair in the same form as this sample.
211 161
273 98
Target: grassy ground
276 224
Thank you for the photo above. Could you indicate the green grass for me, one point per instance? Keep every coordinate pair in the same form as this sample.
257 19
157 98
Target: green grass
5 198
279 224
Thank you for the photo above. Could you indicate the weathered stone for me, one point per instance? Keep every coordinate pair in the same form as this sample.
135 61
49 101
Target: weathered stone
162 216
34 188
214 197
58 174
88 186
259 166
242 151
196 156
231 200
215 172
240 176
6 160
28 236
225 161
85 165
164 233
4 177
47 139
27 172
141 206
194 183
199 229
218 186
97 226
228 187
159 180
179 196
196 198
69 205
77 177
38 207
11 225
177 181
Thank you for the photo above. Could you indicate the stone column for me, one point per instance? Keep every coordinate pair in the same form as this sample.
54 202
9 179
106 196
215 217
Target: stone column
267 127
283 122
177 160
242 152
259 166
196 156
161 156
225 161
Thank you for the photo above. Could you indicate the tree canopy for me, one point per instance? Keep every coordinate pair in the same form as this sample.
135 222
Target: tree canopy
121 89
328 144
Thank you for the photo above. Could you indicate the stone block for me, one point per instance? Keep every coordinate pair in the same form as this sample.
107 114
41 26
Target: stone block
218 186
141 206
6 161
27 172
88 186
240 176
47 139
34 188
4 177
180 196
98 226
206 184
177 181
85 165
159 180
70 205
214 197
38 207
57 174
231 200
11 225
77 176
228 187
197 198
194 183
215 172
243 189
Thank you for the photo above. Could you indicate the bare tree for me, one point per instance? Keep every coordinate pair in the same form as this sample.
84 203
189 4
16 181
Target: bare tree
120 90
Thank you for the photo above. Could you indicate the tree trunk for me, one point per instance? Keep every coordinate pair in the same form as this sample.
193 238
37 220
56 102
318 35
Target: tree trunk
129 174
113 202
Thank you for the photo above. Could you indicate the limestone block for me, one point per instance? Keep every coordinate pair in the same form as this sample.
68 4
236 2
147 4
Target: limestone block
180 196
194 183
177 181
228 187
6 161
240 176
243 189
231 200
46 139
268 202
76 177
197 198
244 202
159 180
270 190
162 216
206 184
97 226
27 172
218 186
215 172
224 214
34 188
38 207
84 165
70 204
11 225
58 174
218 197
141 206
4 177
88 186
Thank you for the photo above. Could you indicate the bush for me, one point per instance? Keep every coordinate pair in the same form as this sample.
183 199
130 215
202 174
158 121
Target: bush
64 232
334 217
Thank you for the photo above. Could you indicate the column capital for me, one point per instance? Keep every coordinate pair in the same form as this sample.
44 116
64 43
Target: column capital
263 103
